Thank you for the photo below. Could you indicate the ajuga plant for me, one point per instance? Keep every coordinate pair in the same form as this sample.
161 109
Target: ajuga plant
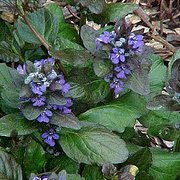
122 44
45 90
80 103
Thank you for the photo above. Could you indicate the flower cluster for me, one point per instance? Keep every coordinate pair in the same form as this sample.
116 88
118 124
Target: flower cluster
43 177
122 47
44 81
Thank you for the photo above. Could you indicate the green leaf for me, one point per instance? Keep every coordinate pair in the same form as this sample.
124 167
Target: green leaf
95 6
64 43
62 162
6 108
68 31
30 112
15 122
34 158
9 169
115 11
92 90
74 177
96 91
116 116
142 159
9 50
76 91
165 165
92 172
45 22
56 11
89 35
65 120
153 118
175 58
6 78
54 98
10 97
164 102
93 145
166 132
101 67
72 57
157 75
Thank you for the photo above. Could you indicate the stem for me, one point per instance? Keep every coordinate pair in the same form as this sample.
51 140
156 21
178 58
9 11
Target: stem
41 39
164 42
139 12
61 67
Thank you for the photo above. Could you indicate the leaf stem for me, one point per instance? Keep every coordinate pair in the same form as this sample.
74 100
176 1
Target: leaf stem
40 38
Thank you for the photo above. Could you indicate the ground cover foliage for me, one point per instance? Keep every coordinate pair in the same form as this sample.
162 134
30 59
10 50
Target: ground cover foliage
72 96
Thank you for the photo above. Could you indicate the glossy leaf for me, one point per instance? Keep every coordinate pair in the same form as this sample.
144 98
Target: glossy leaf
165 165
72 57
30 112
63 162
101 67
44 22
34 158
93 145
159 117
15 122
157 75
116 11
92 172
95 6
89 35
115 116
11 97
163 102
65 120
55 98
9 169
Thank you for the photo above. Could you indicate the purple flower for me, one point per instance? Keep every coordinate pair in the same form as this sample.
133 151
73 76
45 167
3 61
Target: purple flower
43 177
52 75
38 88
44 116
108 77
21 69
105 38
39 63
64 86
117 55
136 42
117 85
38 101
49 137
122 71
65 108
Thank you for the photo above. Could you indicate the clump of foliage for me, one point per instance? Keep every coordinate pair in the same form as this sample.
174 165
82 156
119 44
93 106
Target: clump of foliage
70 98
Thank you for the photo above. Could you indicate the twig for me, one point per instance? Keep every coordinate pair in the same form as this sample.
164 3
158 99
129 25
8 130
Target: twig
161 18
164 42
158 38
41 39
71 11
144 17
